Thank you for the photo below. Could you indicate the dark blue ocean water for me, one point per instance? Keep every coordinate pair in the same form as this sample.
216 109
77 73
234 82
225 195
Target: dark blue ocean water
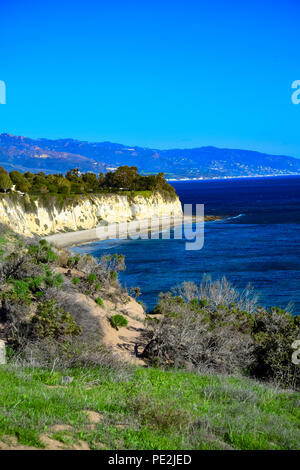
258 244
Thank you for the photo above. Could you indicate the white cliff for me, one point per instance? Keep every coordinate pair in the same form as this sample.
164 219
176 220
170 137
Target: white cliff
47 215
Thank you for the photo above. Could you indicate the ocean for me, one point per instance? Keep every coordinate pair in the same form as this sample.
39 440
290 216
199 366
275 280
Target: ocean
258 243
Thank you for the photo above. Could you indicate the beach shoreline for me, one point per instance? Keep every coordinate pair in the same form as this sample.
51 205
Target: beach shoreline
121 230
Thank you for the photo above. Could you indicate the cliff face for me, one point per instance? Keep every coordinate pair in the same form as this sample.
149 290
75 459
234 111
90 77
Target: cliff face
47 215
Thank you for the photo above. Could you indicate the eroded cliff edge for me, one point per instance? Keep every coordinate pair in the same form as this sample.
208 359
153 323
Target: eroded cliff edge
46 215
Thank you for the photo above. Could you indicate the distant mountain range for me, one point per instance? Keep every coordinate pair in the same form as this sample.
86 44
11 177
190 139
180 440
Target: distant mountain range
46 155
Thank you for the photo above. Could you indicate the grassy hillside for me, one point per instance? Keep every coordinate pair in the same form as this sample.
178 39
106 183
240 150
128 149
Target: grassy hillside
143 409
81 357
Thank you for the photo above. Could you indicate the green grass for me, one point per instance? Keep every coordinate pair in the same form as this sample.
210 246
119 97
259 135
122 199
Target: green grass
146 193
147 409
3 240
99 301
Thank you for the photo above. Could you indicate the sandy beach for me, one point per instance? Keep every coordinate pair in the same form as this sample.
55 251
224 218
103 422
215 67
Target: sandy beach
148 228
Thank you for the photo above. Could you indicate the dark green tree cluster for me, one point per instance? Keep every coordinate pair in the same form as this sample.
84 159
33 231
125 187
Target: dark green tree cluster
5 181
125 178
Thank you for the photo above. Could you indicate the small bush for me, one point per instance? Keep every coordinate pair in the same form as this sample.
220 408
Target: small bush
99 301
63 257
159 416
75 352
92 278
135 291
53 280
50 320
42 252
73 261
35 283
21 289
87 264
215 327
75 281
118 321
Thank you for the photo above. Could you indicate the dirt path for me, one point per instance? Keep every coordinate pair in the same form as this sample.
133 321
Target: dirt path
95 321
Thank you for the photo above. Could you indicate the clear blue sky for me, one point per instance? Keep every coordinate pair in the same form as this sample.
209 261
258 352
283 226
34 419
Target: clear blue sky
153 73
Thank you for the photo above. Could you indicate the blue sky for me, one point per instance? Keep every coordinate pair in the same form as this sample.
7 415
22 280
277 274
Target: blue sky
160 74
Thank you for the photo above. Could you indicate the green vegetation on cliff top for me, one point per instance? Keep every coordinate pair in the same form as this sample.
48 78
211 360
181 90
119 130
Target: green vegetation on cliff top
124 180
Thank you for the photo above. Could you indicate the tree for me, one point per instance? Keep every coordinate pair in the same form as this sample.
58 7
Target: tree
73 175
124 177
2 170
39 184
77 188
101 180
64 185
29 176
90 181
19 181
5 182
109 179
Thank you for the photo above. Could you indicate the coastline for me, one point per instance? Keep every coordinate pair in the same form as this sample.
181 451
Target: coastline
221 178
121 231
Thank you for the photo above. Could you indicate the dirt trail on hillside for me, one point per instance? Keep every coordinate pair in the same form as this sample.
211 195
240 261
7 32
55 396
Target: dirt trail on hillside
95 323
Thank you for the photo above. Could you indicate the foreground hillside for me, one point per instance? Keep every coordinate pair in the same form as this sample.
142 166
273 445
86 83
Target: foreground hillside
55 308
82 360
142 409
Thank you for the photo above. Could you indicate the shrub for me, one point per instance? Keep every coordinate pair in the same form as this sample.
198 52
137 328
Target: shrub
75 281
75 352
53 280
5 182
274 332
118 321
99 301
109 267
63 257
73 261
14 312
21 289
217 334
92 278
50 320
42 252
159 416
87 264
136 291
35 283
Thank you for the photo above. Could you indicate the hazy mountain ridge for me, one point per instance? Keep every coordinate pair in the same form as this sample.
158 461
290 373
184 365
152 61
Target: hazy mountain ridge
23 153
